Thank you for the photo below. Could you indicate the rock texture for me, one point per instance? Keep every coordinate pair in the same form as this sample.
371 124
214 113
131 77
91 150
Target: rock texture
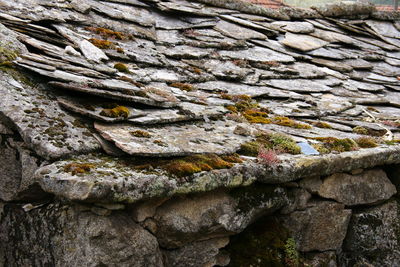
366 188
182 221
373 237
74 236
319 228
190 129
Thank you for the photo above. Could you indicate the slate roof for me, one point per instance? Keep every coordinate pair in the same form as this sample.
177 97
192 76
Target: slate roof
151 78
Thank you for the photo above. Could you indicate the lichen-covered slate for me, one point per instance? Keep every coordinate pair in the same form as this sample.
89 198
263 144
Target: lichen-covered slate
174 140
177 70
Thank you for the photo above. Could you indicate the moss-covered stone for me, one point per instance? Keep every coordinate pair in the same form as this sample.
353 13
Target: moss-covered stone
278 142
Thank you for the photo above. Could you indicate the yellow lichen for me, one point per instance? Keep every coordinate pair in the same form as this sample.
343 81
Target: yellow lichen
78 168
102 44
360 130
256 116
121 67
116 112
183 86
141 133
321 124
285 121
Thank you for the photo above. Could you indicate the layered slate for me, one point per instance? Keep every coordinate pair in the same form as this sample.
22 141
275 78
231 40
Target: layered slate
164 78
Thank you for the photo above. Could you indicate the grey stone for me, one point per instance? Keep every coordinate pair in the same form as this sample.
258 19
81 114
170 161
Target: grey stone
370 187
345 8
294 27
257 54
339 66
324 259
298 200
41 123
300 85
312 184
68 235
18 166
147 209
234 31
180 140
372 238
214 214
319 228
91 52
303 42
205 253
116 180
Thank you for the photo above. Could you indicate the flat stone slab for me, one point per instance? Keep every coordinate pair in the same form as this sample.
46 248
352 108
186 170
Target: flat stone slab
174 140
301 85
257 54
42 124
303 42
113 179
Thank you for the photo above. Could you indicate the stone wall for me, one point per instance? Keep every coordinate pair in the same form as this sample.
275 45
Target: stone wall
345 219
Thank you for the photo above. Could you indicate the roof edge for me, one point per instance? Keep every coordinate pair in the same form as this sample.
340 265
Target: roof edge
345 9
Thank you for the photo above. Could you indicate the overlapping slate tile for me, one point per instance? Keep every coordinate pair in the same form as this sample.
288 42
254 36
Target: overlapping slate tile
174 140
303 42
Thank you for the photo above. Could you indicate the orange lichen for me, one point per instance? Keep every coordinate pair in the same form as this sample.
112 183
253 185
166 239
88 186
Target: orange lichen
120 50
106 33
285 121
197 70
78 168
116 112
321 124
141 133
102 44
183 86
240 63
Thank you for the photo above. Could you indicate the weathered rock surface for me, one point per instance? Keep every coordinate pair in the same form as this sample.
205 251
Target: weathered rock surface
17 167
369 187
179 140
204 253
323 259
373 237
74 236
319 228
216 214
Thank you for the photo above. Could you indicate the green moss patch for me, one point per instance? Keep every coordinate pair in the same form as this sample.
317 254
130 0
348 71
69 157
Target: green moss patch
278 142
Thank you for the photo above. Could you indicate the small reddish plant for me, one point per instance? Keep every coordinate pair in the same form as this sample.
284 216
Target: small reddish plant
268 157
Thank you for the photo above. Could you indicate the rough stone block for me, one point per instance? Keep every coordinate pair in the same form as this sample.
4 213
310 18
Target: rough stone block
60 235
369 187
180 221
17 166
319 228
373 237
205 253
